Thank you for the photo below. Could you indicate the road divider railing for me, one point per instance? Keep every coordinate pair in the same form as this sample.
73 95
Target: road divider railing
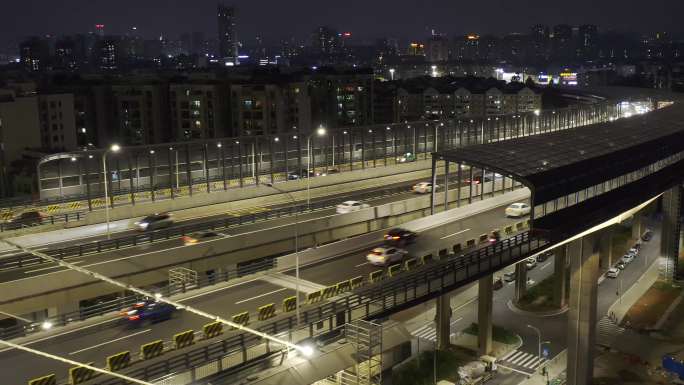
457 248
356 282
519 226
241 318
81 374
425 259
266 312
410 264
508 230
483 238
118 361
184 339
212 329
375 276
328 292
394 270
289 304
472 242
151 350
314 297
50 379
342 287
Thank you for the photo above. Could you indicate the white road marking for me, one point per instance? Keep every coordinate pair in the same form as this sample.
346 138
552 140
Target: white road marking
362 264
260 295
50 268
109 342
454 234
215 290
545 266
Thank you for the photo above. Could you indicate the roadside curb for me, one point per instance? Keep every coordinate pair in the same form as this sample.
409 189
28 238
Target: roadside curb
542 314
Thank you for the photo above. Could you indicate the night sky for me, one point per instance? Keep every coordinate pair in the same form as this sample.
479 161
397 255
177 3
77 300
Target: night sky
276 19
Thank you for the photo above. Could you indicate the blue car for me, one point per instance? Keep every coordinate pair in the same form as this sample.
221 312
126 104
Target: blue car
151 311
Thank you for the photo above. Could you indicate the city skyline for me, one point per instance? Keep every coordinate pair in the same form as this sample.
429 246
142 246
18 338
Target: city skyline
377 19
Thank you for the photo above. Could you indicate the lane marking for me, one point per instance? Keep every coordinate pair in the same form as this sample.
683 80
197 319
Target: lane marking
458 320
451 235
545 266
50 268
109 342
363 264
215 290
260 295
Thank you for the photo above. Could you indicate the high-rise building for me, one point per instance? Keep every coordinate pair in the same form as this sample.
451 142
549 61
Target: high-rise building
437 48
562 43
198 111
325 41
227 34
539 39
35 54
587 41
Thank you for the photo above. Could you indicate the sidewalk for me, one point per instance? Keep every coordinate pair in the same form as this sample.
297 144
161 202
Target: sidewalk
556 370
636 291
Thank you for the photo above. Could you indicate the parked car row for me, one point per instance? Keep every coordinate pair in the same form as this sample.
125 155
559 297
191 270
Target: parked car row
626 259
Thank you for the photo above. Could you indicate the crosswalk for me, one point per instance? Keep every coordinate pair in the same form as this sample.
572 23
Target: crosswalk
607 331
428 332
521 361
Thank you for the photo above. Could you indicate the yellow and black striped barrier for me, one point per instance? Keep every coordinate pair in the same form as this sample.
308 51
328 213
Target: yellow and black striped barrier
75 205
50 379
52 209
267 311
343 287
508 230
483 238
526 223
314 297
184 339
471 242
118 361
519 226
99 202
329 292
6 216
394 270
425 259
289 304
80 374
241 318
411 264
356 282
212 329
152 349
375 276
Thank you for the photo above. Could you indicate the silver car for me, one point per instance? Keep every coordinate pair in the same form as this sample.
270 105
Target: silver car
154 222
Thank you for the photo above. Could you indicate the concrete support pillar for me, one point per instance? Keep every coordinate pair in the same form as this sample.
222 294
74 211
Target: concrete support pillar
560 276
484 315
584 273
636 226
443 321
520 281
606 248
670 246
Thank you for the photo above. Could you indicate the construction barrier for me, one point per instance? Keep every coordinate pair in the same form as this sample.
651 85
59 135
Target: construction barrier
343 287
375 276
394 270
75 205
152 349
425 259
356 282
241 318
457 248
526 223
471 243
508 229
329 292
289 304
314 297
483 238
267 311
52 209
410 264
118 361
45 380
80 374
184 339
519 226
212 329
99 202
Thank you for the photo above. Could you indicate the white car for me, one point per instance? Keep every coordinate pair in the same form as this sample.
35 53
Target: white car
382 256
530 263
423 188
613 272
351 206
518 210
627 259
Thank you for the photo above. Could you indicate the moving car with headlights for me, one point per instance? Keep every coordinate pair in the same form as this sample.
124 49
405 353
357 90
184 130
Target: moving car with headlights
351 206
518 210
400 237
382 256
200 236
408 157
154 222
27 218
423 188
148 311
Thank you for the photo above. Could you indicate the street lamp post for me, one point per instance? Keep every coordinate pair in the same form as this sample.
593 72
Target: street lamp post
114 148
538 339
296 244
321 131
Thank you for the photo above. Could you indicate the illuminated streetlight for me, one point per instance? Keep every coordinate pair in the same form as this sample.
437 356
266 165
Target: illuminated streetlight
321 131
47 325
114 148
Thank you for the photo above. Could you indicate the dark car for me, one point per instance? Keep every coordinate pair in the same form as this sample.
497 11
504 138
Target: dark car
148 311
200 236
648 235
154 222
400 236
301 174
27 218
498 283
544 256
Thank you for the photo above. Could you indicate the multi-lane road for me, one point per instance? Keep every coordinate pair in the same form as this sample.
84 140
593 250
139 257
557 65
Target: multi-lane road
94 343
